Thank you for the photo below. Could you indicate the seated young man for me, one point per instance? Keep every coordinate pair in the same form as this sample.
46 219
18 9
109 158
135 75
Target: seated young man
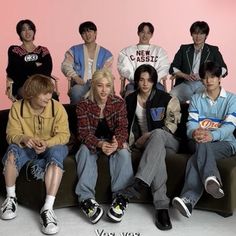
153 116
102 129
130 58
211 123
37 129
82 60
186 63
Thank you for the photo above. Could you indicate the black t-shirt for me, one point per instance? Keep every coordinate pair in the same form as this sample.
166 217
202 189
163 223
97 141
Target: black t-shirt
103 131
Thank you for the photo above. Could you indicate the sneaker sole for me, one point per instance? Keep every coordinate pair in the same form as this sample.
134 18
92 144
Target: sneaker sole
214 189
8 217
43 229
51 232
98 217
113 218
180 206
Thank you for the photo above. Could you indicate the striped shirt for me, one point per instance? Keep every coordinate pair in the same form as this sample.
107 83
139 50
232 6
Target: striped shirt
219 116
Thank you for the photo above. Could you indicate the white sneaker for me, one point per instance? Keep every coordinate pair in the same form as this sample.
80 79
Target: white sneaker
49 223
212 186
9 208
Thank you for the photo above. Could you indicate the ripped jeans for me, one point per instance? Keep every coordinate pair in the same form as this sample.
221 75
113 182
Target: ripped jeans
55 154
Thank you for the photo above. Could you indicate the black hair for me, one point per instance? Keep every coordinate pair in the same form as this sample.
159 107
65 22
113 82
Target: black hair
200 27
145 68
87 25
20 24
210 67
148 24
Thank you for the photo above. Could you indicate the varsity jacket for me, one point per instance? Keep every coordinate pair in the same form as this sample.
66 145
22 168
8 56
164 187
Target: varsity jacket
218 116
131 57
51 125
183 59
77 59
162 112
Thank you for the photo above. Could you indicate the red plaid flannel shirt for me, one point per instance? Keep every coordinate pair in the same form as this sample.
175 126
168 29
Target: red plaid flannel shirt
115 114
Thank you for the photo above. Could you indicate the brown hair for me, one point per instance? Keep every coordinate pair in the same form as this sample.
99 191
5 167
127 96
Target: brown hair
37 84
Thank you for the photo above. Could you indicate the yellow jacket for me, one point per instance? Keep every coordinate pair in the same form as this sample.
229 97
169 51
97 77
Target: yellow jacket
51 125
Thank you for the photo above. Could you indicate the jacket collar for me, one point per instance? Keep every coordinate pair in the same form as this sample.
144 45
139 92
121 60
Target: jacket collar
27 110
190 53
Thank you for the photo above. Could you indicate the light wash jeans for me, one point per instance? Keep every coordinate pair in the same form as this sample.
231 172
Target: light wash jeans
152 166
77 92
121 172
201 165
186 89
55 154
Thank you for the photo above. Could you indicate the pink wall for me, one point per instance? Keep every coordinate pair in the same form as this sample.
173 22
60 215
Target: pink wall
57 28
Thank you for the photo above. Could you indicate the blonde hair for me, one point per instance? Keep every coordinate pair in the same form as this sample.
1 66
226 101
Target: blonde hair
37 84
97 76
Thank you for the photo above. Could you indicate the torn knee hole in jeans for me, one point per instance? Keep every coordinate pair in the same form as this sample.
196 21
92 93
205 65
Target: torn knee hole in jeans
10 160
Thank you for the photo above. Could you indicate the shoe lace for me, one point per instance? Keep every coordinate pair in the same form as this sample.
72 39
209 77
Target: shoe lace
88 206
8 204
187 200
48 217
120 202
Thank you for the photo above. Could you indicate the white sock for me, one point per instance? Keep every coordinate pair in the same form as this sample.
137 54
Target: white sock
11 191
49 201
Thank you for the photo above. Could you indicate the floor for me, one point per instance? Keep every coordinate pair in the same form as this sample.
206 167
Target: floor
138 221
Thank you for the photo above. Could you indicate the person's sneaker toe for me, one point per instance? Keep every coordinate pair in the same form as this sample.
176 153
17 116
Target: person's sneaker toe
9 208
183 205
117 209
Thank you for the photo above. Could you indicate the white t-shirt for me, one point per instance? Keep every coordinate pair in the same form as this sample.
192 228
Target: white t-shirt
142 120
90 68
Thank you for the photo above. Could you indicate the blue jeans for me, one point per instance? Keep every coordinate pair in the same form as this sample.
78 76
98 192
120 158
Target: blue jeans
121 172
55 154
77 92
201 165
186 89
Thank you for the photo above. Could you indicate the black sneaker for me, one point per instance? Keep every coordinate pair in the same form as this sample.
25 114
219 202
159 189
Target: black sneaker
135 190
117 209
48 220
9 208
183 205
92 210
33 172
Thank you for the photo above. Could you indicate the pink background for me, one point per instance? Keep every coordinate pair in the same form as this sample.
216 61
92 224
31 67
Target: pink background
57 24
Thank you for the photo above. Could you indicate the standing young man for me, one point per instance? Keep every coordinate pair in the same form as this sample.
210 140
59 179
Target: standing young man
186 63
83 59
142 53
37 129
211 123
153 116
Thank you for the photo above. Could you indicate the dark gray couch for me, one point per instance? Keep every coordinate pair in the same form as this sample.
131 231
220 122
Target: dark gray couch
32 193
